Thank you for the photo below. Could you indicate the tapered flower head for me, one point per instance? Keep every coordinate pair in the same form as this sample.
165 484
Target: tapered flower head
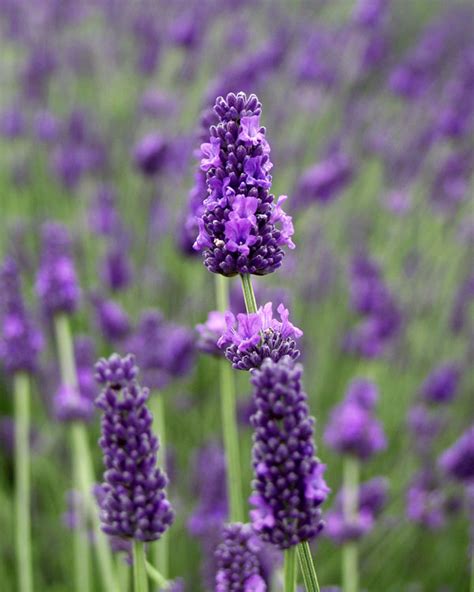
134 503
20 341
441 385
250 338
458 461
289 486
56 282
242 229
352 427
238 568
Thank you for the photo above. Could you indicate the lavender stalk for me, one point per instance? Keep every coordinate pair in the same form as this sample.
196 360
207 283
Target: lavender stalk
69 379
289 569
308 570
229 422
22 480
140 581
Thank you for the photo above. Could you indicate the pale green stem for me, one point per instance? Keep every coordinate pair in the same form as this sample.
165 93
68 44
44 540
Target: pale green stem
82 460
22 482
249 295
289 569
140 581
123 574
229 423
308 569
157 577
350 567
161 547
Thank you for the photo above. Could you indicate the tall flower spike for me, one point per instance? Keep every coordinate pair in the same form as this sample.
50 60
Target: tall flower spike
251 338
56 282
134 504
20 341
458 460
289 486
352 427
242 229
237 561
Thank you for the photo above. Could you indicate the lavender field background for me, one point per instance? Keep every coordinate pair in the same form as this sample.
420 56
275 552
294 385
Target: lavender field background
369 111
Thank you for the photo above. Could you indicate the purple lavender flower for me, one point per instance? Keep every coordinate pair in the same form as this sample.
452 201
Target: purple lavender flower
20 341
56 281
241 229
164 350
47 127
104 218
111 319
442 383
135 503
288 486
69 405
352 427
324 181
458 460
116 269
258 336
237 561
149 154
425 502
12 123
425 427
210 332
208 517
372 499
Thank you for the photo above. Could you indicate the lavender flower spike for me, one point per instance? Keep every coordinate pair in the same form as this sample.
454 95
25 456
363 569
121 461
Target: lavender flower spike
241 228
237 561
134 504
20 341
289 486
258 336
56 282
458 461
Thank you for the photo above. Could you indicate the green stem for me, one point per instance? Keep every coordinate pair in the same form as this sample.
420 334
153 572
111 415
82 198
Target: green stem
350 568
289 569
123 571
157 577
249 295
80 541
140 581
229 422
161 547
22 482
308 569
82 459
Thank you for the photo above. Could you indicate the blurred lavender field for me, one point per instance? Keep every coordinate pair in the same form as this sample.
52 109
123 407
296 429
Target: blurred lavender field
368 107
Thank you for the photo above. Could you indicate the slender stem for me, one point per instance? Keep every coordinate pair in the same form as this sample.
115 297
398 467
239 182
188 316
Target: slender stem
123 571
308 569
289 569
22 482
140 581
161 547
157 577
350 568
80 541
229 422
82 458
249 295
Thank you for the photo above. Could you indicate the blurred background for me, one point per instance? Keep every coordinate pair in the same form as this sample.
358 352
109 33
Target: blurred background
369 110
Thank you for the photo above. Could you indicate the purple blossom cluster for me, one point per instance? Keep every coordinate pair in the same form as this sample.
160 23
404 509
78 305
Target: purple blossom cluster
56 281
20 340
458 461
172 354
372 498
251 338
288 488
352 427
238 568
371 298
242 229
134 503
